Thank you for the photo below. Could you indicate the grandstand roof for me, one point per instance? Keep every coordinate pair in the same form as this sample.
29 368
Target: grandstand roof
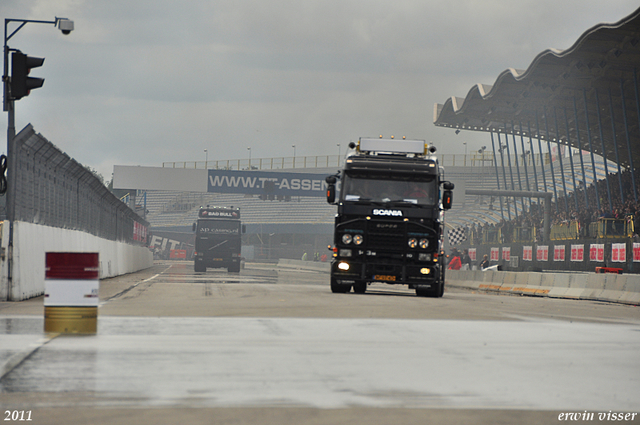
547 100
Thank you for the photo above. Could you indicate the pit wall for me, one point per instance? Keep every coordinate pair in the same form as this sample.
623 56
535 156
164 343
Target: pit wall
32 241
617 288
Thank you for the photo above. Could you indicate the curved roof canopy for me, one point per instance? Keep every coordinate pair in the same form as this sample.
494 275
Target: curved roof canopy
587 93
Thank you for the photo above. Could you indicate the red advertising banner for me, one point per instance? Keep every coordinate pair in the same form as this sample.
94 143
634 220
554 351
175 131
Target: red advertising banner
619 252
506 253
495 254
558 253
636 252
542 253
527 253
577 252
596 252
472 254
139 232
178 254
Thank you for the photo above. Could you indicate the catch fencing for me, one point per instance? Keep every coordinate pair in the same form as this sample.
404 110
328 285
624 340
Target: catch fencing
52 189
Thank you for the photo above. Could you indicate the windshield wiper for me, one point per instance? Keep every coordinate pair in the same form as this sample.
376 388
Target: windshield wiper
405 202
215 246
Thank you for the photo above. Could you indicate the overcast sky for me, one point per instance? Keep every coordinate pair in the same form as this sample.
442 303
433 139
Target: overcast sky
150 81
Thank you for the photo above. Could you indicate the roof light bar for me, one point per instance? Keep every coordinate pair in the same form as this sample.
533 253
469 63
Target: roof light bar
392 145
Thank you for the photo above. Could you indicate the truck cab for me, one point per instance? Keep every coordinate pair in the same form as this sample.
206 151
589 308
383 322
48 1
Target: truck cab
390 217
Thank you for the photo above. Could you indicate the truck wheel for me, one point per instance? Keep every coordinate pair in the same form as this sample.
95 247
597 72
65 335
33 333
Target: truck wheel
199 267
436 292
360 287
339 288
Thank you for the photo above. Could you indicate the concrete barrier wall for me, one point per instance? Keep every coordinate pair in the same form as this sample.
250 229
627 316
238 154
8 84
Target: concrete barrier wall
32 241
619 288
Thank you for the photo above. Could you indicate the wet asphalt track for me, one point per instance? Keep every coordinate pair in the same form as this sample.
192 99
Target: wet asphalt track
173 340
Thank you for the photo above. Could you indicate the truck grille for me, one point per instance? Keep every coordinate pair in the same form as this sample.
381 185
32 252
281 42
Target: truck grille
387 241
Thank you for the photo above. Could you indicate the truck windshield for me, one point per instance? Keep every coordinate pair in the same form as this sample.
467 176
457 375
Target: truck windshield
389 188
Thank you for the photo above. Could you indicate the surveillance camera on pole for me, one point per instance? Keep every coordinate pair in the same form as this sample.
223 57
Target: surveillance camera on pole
65 25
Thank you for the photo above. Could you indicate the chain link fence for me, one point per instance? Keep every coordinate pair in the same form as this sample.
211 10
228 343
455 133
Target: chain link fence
55 190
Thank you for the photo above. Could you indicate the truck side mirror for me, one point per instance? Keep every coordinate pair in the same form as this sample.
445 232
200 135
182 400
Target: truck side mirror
193 227
331 189
244 228
331 193
447 199
448 185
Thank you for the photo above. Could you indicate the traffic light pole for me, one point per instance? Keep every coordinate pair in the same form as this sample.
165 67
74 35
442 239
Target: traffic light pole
9 107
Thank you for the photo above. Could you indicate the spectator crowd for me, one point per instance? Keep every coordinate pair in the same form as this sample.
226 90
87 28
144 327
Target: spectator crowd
574 210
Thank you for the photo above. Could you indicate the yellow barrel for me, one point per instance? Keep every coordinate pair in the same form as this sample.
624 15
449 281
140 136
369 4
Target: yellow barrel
74 320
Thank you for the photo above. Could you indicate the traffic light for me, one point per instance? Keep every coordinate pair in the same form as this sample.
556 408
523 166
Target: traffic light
21 83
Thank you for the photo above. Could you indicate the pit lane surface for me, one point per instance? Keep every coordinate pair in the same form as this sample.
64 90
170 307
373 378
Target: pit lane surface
257 344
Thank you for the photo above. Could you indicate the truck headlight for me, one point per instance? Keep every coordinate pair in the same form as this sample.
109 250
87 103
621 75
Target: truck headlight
358 239
346 239
424 243
413 242
343 266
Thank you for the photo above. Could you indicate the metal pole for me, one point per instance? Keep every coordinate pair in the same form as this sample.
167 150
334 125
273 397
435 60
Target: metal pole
553 176
524 162
544 178
593 161
604 153
504 175
626 128
524 158
564 184
515 155
615 145
9 106
513 186
573 173
533 155
493 145
584 174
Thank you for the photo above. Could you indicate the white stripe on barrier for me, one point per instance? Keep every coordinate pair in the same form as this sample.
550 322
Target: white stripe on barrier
71 293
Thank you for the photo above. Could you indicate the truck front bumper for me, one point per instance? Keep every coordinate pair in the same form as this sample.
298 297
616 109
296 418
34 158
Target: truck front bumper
347 271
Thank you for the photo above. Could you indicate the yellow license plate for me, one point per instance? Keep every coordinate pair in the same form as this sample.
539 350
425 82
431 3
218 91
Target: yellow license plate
385 277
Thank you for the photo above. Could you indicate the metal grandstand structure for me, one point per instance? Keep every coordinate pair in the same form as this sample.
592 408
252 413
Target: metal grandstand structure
584 98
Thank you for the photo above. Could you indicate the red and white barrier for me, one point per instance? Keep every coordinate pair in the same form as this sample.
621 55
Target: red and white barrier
71 292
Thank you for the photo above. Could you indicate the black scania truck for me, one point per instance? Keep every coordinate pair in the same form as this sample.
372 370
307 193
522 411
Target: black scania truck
390 221
218 239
